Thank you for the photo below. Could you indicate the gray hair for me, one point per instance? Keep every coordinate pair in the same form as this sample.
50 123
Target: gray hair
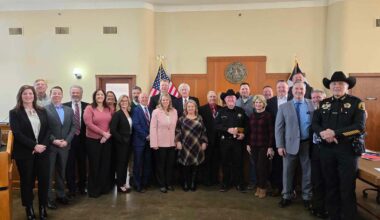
319 91
182 85
300 82
76 87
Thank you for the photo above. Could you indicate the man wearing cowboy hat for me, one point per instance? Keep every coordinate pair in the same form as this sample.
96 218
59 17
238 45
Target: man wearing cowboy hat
339 120
231 122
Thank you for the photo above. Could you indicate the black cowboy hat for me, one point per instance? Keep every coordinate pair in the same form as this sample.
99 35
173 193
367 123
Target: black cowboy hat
339 76
228 93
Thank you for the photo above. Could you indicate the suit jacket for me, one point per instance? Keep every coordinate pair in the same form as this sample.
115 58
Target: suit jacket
209 122
120 128
309 89
140 127
57 129
82 124
272 106
24 139
178 104
287 131
153 102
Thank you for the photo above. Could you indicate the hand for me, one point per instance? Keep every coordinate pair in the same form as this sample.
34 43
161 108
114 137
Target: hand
148 138
179 146
155 148
106 135
103 140
270 153
240 136
232 131
39 148
282 152
203 146
249 149
57 142
63 143
327 134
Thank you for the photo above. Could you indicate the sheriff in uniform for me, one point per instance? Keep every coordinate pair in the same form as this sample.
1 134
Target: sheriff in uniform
231 121
340 119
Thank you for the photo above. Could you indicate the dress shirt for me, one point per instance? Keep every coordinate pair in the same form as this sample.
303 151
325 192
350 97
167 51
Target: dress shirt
304 120
281 100
61 113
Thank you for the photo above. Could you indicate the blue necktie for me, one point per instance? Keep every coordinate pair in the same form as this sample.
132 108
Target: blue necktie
298 104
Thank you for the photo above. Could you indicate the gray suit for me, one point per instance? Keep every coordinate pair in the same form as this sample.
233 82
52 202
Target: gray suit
58 156
287 133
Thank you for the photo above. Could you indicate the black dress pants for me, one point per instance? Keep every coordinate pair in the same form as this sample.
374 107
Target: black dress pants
29 170
339 168
77 164
276 173
209 169
99 157
122 156
319 191
232 162
262 166
165 159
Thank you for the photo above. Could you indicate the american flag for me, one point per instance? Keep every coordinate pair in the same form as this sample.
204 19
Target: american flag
161 74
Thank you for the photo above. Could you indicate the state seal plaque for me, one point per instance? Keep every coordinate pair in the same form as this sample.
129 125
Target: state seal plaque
235 72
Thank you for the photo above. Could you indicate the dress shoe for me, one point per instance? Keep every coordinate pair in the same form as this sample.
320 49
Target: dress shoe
241 188
306 204
43 214
262 194
82 191
63 200
163 190
258 191
71 195
171 188
140 190
52 205
185 186
30 213
284 202
319 213
223 188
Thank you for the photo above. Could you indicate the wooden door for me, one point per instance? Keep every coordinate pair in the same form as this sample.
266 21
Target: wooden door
120 84
367 88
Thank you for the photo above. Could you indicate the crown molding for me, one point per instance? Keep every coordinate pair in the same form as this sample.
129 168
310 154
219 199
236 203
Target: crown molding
46 5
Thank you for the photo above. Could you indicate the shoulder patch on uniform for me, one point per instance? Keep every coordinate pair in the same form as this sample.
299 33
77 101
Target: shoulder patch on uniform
361 106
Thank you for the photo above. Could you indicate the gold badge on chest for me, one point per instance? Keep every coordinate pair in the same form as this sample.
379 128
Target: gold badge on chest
347 105
326 105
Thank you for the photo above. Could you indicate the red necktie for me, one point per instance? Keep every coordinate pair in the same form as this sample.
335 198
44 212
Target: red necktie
146 115
77 119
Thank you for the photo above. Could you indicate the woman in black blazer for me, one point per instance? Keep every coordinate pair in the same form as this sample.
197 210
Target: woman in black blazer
121 129
28 123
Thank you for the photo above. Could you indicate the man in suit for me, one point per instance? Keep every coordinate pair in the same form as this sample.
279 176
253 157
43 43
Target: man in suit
164 89
184 90
40 86
142 168
77 160
135 97
272 107
210 166
61 124
292 132
301 77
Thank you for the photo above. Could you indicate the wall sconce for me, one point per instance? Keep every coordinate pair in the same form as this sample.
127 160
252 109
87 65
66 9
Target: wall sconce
77 73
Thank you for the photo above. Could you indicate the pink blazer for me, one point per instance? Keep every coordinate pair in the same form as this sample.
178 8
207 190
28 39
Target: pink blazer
162 128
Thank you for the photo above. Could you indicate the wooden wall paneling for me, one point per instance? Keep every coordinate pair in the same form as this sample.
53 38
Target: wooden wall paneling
367 88
272 78
197 82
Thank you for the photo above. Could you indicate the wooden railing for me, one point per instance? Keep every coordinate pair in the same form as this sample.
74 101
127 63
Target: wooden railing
6 169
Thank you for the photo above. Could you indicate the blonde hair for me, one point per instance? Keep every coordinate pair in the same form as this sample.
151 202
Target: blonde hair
260 98
195 104
170 107
129 102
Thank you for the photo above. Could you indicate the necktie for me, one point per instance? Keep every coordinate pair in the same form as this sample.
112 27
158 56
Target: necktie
146 115
298 109
213 110
77 119
184 103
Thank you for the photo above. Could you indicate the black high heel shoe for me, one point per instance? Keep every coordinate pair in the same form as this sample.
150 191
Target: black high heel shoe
30 213
43 214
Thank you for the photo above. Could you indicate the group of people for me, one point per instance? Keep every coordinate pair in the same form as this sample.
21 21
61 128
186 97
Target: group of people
176 140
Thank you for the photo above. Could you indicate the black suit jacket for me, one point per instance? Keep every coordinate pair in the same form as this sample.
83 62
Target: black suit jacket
120 128
178 104
82 124
272 106
209 122
153 102
24 139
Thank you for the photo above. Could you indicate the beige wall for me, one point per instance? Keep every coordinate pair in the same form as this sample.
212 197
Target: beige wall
187 38
39 53
341 36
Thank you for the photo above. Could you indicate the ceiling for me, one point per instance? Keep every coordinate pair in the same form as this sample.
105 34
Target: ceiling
156 4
